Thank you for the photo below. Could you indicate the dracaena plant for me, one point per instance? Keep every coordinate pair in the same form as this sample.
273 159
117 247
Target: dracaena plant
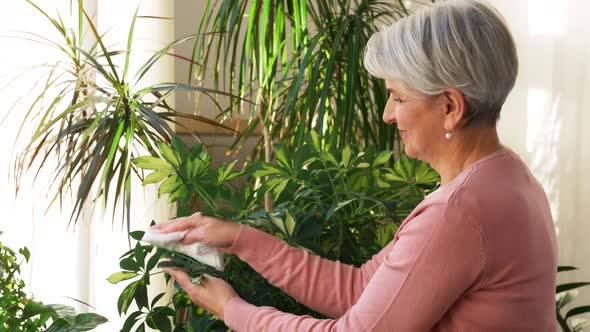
340 203
93 116
301 62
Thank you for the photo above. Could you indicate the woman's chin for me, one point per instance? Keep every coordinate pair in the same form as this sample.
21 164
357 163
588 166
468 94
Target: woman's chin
409 152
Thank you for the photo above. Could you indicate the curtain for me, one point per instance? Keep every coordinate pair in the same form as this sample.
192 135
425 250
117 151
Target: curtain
546 117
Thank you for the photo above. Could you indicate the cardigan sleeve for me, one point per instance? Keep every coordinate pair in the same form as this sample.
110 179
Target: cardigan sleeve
435 258
325 286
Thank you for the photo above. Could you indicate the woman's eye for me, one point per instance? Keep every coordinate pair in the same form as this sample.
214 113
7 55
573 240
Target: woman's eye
397 99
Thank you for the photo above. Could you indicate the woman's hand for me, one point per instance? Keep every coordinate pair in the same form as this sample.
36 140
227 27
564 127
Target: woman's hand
212 294
209 230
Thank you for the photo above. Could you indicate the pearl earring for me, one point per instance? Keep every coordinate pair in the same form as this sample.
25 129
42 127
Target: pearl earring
449 134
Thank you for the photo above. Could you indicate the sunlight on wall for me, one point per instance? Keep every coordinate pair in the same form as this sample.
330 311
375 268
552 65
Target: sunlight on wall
547 17
543 135
16 60
72 262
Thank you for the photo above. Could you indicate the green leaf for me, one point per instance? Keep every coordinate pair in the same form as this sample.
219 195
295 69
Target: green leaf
329 157
33 308
363 165
337 207
126 297
225 174
569 286
25 252
141 297
393 177
152 262
269 185
425 174
157 298
162 322
64 311
153 163
282 156
289 222
315 139
279 223
170 185
577 311
177 194
58 325
346 154
129 42
168 154
157 176
137 235
88 321
120 276
129 264
566 268
130 321
382 157
262 169
139 254
279 188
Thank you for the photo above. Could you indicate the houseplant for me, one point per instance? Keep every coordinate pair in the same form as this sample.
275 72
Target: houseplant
341 204
565 294
301 63
20 313
93 116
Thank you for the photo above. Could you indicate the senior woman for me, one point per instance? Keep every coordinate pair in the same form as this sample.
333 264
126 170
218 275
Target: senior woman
478 254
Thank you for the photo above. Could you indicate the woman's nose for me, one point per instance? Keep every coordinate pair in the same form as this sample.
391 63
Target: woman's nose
389 114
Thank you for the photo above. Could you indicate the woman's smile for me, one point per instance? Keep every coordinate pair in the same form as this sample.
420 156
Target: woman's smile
404 134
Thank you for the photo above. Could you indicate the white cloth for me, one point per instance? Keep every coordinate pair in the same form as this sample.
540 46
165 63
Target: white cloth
199 251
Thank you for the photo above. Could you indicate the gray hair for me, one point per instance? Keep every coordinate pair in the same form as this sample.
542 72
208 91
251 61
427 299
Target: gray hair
464 44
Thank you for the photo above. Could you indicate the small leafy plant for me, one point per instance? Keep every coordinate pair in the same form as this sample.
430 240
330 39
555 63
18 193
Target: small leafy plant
19 313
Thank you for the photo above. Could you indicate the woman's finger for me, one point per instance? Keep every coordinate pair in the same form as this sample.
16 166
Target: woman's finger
167 223
180 224
181 277
160 225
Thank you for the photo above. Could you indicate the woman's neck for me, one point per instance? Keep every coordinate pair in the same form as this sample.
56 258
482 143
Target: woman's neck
465 148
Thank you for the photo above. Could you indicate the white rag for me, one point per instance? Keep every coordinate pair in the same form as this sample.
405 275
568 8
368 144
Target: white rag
199 251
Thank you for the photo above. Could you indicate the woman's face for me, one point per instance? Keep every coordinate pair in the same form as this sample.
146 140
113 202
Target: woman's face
419 118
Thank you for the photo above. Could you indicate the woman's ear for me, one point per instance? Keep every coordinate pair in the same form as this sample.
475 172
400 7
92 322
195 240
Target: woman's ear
455 108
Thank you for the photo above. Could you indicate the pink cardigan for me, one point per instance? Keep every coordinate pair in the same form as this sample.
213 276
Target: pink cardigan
478 254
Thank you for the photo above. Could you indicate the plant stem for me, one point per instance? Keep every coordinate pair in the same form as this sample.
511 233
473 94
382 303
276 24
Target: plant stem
563 323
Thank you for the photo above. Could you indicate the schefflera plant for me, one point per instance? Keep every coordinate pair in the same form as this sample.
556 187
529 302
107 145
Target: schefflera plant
339 203
138 266
186 176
